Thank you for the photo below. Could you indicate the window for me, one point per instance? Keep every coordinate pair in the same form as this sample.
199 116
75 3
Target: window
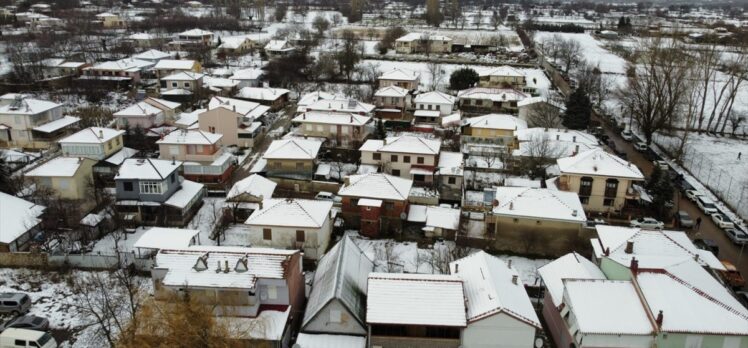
299 165
267 234
309 127
438 107
393 158
63 184
174 149
420 106
389 206
345 129
611 187
516 221
396 172
376 156
300 236
172 177
320 128
186 85
584 200
429 106
585 186
608 202
116 141
174 85
419 177
152 187
451 180
335 316
212 129
127 186
419 160
272 292
20 343
406 159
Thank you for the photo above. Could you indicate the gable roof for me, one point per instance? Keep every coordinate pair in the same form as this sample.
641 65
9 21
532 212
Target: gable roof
190 137
174 64
606 307
435 97
334 118
92 135
503 70
291 212
524 202
184 76
254 185
400 75
146 169
58 167
293 148
341 275
243 107
340 105
23 105
391 91
493 94
599 162
377 185
490 289
261 93
497 121
411 144
17 216
139 109
150 54
569 266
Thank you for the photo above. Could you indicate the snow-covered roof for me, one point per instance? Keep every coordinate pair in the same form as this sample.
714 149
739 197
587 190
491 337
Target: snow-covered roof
450 163
58 167
196 32
175 64
415 299
190 137
143 36
305 340
503 70
492 287
313 97
268 325
337 118
233 42
22 105
162 103
166 238
146 169
243 107
151 54
120 156
189 118
126 64
606 307
247 74
420 36
408 144
391 91
92 135
340 105
260 263
435 97
524 202
651 248
57 124
569 266
556 134
400 74
278 46
534 100
17 216
184 76
254 185
341 275
140 109
219 82
261 93
601 163
493 94
426 113
377 186
497 121
187 192
291 212
444 218
294 148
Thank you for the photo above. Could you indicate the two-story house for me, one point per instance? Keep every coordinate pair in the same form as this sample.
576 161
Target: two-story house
502 77
68 177
293 159
290 223
341 129
603 181
430 106
32 123
110 20
481 99
278 48
392 101
20 223
423 43
236 119
152 55
123 71
496 129
375 202
259 291
196 36
96 143
402 78
166 67
405 156
182 81
151 192
151 112
275 98
247 195
338 105
451 170
204 159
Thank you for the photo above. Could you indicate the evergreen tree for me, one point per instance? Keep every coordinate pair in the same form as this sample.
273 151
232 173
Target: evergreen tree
578 110
433 13
6 181
662 191
463 79
654 178
381 132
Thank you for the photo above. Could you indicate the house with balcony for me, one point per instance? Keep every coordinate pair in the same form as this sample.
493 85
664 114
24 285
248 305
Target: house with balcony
192 38
249 77
96 143
310 98
32 123
497 129
151 192
204 159
21 221
290 223
337 302
375 202
247 195
406 156
392 101
435 315
123 72
279 48
431 106
402 78
166 67
256 291
423 43
183 83
237 120
337 104
68 177
339 128
603 181
149 113
483 99
275 98
293 159
502 77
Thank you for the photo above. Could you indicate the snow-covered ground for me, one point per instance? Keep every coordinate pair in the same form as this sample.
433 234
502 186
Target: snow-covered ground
124 242
592 51
206 218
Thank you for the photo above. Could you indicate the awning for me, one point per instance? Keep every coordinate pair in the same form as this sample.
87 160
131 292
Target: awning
50 127
366 202
643 195
426 113
421 171
166 238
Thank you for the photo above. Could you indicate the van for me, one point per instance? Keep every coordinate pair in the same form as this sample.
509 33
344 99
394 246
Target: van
706 205
15 303
16 338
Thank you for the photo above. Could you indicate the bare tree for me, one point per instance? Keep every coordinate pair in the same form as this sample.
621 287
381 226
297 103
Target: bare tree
569 53
478 18
539 153
545 115
495 20
436 73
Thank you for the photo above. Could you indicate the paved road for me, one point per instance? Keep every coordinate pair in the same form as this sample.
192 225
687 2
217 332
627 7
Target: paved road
708 230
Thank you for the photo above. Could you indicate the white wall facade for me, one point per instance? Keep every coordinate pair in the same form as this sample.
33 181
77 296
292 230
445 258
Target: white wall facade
500 330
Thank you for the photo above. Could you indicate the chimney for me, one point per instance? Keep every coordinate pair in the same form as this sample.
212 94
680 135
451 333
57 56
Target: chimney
101 134
346 181
659 320
634 266
226 266
509 263
218 269
574 212
558 136
511 205
233 107
173 160
514 279
607 251
629 247
457 268
574 139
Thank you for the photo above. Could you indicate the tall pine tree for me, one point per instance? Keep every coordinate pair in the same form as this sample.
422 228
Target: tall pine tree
578 110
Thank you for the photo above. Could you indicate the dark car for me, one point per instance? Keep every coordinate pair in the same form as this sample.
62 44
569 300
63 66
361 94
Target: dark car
29 322
684 220
707 244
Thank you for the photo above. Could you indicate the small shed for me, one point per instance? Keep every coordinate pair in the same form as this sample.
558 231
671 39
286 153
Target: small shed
159 238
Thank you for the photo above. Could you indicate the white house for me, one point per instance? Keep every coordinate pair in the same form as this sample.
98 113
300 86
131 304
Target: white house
20 219
435 101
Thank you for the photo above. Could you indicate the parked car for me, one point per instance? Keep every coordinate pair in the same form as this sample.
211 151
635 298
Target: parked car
26 338
722 221
30 322
328 196
731 275
737 236
15 303
706 205
707 244
692 195
661 164
641 146
595 222
684 220
627 135
647 223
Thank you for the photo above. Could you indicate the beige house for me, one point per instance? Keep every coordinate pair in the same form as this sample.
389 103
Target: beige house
392 97
32 123
402 78
110 20
235 119
68 176
603 181
151 112
493 128
423 43
491 99
341 129
202 154
502 77
406 156
166 67
93 142
293 158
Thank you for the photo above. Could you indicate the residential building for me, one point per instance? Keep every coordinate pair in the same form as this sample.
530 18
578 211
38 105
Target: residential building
288 223
166 67
305 340
337 105
152 55
151 112
93 142
247 77
502 77
105 170
603 181
143 40
221 86
530 109
123 71
341 129
20 223
233 45
435 314
57 67
275 98
110 20
375 202
68 177
405 156
236 119
515 223
253 290
337 302
247 195
451 169
293 158
499 129
423 43
481 99
313 97
183 80
279 48
392 101
32 123
434 101
556 143
151 192
193 37
498 307
204 159
402 78
438 222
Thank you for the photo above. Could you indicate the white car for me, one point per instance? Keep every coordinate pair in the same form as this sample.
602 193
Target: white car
722 221
328 196
692 195
647 223
641 146
661 164
627 135
706 205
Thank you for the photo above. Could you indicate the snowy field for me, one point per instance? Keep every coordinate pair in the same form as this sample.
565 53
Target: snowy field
592 51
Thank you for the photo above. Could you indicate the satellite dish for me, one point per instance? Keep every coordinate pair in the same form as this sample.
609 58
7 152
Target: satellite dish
403 216
539 342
